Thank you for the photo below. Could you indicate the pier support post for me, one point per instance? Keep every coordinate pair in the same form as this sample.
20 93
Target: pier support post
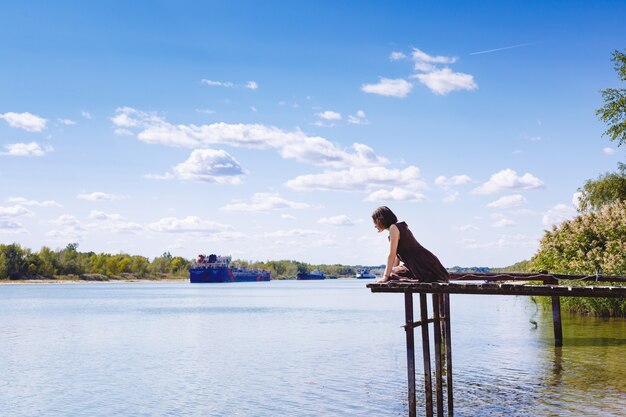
428 388
556 320
448 341
410 350
437 329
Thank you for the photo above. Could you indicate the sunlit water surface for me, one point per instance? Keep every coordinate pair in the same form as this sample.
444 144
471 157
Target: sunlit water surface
287 348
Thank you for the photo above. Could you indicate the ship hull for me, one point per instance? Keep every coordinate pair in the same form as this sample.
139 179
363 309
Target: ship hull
225 274
308 277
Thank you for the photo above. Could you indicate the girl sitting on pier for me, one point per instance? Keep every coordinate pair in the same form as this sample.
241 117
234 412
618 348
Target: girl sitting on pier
407 259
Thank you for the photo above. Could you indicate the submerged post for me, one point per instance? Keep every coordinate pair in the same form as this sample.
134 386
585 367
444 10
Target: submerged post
428 388
556 320
410 350
448 341
438 357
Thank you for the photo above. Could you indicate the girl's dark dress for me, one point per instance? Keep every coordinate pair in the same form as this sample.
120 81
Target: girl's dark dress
419 262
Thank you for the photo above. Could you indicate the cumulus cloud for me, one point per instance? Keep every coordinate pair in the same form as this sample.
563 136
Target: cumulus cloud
287 217
210 165
10 226
26 121
68 229
85 114
444 81
252 85
329 115
341 220
389 87
264 202
114 222
558 214
14 211
297 145
395 194
212 83
397 56
451 196
508 201
26 202
454 180
507 179
431 70
98 196
66 122
26 149
502 221
358 119
359 179
190 225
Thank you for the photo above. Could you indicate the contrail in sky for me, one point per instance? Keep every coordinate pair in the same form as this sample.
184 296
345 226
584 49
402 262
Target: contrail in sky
502 49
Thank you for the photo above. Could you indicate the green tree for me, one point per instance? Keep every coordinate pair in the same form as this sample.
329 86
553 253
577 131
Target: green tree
613 113
608 188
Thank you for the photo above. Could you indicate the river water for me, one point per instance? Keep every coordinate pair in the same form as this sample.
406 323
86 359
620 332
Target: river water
288 348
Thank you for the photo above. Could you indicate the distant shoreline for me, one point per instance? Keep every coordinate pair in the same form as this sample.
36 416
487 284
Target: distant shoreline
82 281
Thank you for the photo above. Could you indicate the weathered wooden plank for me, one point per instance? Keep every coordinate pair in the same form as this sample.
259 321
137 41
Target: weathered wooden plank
497 289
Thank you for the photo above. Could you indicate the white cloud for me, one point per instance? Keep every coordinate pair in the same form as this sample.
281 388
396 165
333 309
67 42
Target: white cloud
98 196
500 220
287 217
252 85
609 151
122 132
26 149
27 202
211 83
576 198
69 229
14 211
66 122
205 111
264 202
504 241
444 81
451 196
454 180
397 56
85 114
10 226
293 233
389 87
395 194
26 121
558 214
210 165
166 176
358 179
66 220
190 225
297 145
358 119
329 115
115 223
507 179
341 220
508 201
421 56
466 228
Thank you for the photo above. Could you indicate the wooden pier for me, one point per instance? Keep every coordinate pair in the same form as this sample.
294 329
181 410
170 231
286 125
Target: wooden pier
484 284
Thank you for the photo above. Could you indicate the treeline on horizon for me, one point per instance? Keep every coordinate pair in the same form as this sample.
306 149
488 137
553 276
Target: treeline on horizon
18 263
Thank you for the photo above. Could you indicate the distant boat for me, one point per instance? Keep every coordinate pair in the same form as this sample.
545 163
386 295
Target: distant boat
364 273
215 268
317 274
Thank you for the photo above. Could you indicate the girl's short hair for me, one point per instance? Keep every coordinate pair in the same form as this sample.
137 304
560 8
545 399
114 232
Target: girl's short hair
384 217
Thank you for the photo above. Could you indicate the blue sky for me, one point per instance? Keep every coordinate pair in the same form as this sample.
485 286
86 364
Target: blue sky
272 130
